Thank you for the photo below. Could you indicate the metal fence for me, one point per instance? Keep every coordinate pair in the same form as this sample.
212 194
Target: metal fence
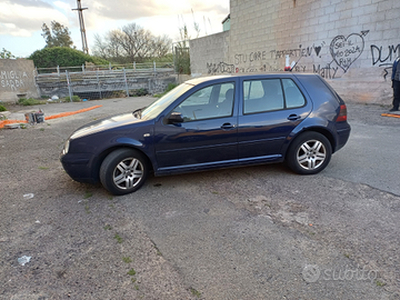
98 82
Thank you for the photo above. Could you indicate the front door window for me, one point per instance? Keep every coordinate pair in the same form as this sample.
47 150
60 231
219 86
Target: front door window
211 102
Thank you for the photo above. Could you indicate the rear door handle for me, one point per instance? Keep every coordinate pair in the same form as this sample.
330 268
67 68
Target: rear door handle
294 117
227 126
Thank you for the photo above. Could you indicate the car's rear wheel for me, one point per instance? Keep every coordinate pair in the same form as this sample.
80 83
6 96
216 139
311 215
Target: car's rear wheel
123 171
309 153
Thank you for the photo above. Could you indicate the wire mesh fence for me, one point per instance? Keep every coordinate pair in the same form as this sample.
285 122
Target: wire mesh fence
146 66
98 82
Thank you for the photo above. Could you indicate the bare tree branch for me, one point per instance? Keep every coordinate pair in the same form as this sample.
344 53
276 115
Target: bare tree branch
132 43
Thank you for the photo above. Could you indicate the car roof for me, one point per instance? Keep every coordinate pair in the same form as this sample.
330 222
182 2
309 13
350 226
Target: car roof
198 80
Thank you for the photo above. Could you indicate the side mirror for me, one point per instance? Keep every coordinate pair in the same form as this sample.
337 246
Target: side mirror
175 117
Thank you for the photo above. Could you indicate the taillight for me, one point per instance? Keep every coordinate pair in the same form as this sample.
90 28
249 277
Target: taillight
342 114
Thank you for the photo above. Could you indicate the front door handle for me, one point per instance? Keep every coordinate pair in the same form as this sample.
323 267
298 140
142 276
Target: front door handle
227 126
294 117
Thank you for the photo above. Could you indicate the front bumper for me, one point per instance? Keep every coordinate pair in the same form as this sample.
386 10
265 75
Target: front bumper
77 166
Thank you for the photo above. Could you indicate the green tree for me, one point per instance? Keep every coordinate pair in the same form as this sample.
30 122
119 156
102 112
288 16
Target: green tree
5 54
182 52
63 57
57 36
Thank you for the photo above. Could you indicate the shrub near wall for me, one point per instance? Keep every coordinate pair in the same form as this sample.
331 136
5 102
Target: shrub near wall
63 57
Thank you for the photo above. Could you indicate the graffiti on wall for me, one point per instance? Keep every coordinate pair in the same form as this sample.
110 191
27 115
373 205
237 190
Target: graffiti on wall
298 52
327 71
12 80
381 55
384 56
346 50
330 60
221 67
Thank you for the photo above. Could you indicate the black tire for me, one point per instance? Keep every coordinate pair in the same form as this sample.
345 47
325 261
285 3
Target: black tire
309 153
123 171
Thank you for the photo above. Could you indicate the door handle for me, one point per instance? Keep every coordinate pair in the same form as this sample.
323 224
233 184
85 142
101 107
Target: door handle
294 117
227 126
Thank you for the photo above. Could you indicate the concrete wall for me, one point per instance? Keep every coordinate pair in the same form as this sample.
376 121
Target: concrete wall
17 80
208 55
351 43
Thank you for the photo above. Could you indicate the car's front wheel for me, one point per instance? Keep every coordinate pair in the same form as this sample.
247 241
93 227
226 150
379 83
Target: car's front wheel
123 171
309 153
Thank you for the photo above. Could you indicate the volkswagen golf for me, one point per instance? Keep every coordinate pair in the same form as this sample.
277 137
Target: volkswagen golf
213 122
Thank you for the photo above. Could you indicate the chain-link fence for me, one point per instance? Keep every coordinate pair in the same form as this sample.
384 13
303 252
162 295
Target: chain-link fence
98 82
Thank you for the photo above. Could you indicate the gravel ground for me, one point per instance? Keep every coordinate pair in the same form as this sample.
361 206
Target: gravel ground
85 244
80 240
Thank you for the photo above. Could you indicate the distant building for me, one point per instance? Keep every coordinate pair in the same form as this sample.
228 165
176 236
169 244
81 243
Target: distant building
352 44
226 23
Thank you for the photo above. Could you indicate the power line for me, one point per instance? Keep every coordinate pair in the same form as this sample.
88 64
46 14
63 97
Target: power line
85 47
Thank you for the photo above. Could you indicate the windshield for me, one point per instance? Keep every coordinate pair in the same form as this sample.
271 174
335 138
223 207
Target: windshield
154 109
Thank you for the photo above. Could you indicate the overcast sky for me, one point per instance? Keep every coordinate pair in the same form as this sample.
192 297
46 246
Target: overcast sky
21 20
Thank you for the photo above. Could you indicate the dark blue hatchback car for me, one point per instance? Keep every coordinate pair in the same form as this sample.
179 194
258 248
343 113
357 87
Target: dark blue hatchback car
213 122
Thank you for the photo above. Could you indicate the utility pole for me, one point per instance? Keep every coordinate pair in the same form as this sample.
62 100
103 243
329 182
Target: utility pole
85 47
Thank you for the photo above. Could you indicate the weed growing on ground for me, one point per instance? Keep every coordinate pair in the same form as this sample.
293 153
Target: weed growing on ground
380 283
158 250
30 101
195 292
127 259
87 195
75 98
170 87
87 208
138 92
118 238
132 272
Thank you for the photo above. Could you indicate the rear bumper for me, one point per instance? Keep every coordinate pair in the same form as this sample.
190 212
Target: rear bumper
343 136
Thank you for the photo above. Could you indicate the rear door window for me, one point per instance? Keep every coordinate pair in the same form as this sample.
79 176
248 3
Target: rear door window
262 95
271 95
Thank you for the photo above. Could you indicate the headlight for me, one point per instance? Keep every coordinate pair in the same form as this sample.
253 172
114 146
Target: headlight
66 147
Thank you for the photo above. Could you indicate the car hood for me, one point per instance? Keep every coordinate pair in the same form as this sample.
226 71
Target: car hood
105 124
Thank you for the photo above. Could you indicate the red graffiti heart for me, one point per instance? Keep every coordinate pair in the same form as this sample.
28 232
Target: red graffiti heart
346 50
